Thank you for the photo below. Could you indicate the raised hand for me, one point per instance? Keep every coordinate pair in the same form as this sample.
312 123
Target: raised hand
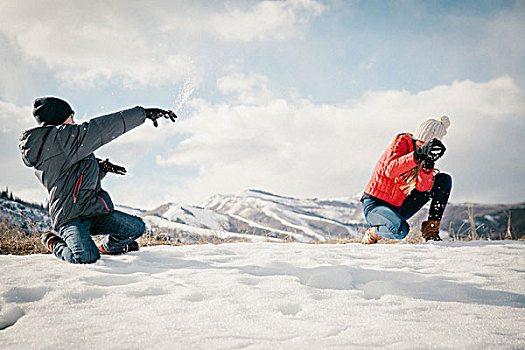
437 149
434 149
156 113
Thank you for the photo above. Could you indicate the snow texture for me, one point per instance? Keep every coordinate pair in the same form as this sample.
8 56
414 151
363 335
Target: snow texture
270 295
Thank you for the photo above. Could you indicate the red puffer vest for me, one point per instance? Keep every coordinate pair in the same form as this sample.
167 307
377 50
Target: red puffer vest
386 180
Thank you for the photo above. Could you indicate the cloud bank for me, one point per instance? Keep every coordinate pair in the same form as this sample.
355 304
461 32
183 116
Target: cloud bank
262 70
292 146
140 44
266 20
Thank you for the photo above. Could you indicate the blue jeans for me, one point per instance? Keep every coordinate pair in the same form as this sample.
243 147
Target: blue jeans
390 221
76 245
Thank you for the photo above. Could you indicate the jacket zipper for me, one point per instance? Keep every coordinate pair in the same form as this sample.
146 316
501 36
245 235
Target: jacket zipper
393 188
77 188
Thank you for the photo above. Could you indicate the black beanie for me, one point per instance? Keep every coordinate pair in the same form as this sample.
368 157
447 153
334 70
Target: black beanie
51 110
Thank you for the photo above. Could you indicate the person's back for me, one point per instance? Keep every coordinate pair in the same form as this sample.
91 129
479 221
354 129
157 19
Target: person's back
62 154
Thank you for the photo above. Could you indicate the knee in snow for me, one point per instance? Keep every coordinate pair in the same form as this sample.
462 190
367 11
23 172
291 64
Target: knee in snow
87 257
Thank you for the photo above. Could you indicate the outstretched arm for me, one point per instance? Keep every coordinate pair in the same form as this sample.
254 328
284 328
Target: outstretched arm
79 141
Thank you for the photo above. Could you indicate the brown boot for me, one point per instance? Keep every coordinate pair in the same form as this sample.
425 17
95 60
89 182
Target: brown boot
430 230
132 247
48 240
370 236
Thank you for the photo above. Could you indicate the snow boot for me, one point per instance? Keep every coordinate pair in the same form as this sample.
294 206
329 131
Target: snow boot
131 247
48 240
430 230
370 236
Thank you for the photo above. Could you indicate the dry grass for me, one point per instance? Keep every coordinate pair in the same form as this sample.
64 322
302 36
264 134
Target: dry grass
159 238
338 241
13 240
382 240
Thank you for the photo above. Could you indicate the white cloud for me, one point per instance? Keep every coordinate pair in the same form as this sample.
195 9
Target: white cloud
267 20
302 149
498 38
251 89
137 143
14 174
13 119
368 64
139 44
88 43
295 147
256 137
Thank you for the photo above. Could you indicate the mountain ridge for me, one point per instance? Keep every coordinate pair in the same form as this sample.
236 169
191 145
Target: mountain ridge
256 215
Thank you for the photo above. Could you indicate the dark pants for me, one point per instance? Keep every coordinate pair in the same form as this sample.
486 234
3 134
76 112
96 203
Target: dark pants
390 221
76 245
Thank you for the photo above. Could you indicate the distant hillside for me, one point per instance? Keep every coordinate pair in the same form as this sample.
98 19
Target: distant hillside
256 215
29 217
490 220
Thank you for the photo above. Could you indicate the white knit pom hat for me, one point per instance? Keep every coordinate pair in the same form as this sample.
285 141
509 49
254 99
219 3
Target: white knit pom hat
432 128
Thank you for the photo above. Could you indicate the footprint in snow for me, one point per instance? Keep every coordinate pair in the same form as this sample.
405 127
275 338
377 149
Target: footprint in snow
289 309
24 295
194 297
249 281
111 280
86 294
219 252
150 291
9 315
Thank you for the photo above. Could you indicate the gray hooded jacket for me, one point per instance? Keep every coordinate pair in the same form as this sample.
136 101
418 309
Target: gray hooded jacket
65 164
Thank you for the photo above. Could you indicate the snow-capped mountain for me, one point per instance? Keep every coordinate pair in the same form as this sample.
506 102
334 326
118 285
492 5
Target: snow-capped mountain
255 215
300 219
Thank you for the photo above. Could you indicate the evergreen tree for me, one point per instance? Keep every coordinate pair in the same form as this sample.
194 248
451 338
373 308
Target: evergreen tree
5 194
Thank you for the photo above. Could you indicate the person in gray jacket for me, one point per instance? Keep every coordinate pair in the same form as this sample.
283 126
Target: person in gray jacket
61 152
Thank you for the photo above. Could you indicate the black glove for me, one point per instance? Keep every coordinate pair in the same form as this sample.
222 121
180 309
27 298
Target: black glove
433 149
107 167
428 164
156 113
437 150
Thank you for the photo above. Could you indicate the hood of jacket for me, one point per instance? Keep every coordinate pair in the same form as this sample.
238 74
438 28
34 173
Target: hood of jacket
31 143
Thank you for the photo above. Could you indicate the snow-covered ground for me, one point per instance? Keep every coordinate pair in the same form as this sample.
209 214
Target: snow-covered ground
270 295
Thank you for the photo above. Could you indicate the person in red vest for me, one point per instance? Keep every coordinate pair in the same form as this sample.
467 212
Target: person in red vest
404 180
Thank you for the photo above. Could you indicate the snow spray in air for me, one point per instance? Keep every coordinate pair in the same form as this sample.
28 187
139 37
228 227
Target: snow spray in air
184 94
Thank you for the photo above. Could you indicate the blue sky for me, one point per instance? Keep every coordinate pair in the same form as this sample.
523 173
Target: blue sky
297 97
